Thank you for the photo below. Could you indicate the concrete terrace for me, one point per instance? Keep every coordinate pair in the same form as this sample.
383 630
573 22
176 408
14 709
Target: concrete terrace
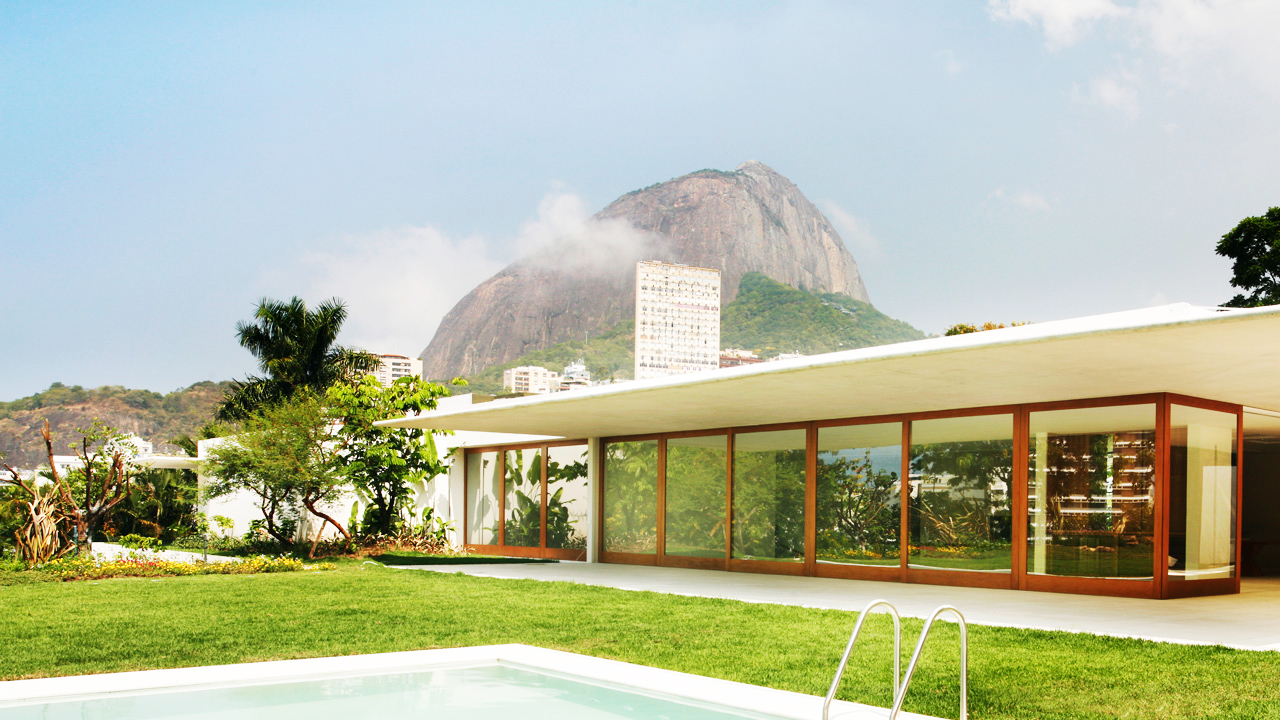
1248 621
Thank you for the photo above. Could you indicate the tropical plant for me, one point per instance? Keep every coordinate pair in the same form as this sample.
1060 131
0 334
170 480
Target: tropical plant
282 454
382 462
1254 247
296 351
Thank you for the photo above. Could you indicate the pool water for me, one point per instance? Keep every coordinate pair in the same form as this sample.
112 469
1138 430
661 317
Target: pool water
476 693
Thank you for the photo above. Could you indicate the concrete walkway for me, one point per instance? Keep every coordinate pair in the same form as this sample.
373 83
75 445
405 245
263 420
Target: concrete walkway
1250 620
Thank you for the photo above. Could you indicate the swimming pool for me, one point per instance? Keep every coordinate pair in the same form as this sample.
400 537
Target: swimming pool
501 681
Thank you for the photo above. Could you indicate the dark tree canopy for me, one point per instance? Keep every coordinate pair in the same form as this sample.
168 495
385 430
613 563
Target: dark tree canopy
1254 247
295 350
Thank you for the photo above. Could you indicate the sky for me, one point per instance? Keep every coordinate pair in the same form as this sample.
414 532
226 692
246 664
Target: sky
164 166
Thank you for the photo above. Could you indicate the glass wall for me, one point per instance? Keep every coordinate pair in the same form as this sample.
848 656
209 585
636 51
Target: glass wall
524 498
1090 492
768 495
859 494
631 497
961 473
568 497
696 487
1202 494
484 485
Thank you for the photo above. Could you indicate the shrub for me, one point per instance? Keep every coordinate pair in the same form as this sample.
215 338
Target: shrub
139 542
139 565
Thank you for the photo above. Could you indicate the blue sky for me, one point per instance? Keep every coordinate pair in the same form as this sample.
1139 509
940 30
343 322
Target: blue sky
163 166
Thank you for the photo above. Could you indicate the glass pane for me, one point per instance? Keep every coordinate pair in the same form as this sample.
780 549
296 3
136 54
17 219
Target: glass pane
483 486
959 512
568 497
1090 494
696 496
860 494
524 498
768 495
631 497
1202 494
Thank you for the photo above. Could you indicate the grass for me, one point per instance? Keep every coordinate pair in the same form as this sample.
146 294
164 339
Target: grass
135 624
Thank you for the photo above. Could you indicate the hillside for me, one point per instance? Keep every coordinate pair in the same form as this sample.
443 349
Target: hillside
766 316
749 220
772 318
149 415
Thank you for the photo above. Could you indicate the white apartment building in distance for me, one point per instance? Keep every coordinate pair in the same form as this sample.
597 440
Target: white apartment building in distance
677 319
530 379
394 367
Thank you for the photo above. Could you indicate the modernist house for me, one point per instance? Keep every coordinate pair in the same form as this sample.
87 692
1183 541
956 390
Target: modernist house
1133 454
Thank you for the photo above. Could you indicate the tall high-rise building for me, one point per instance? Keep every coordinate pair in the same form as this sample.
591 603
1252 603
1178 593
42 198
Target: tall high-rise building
677 319
394 367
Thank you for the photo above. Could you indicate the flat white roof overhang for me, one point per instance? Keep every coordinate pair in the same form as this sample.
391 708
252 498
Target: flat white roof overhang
1214 353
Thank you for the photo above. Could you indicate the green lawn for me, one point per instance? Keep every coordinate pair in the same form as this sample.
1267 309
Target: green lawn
133 624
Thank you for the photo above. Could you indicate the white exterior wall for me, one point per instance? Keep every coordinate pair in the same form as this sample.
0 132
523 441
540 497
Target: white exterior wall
530 379
677 319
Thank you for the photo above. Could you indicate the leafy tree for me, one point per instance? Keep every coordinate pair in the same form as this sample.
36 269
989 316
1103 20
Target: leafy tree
380 461
1254 247
858 505
283 454
296 350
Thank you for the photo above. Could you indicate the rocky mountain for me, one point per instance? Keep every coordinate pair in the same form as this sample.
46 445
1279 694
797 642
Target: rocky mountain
147 414
766 317
748 220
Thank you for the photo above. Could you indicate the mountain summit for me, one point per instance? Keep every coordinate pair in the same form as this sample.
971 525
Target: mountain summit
749 220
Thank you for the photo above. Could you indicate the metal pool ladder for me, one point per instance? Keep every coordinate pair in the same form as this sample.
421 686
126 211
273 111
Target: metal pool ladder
900 686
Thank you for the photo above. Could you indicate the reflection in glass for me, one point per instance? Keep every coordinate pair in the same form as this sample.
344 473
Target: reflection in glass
695 514
768 495
524 498
1090 500
859 494
631 497
568 497
959 514
1202 494
483 486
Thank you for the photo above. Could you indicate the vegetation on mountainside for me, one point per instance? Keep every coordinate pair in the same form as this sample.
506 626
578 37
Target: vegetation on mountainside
149 415
767 316
772 318
610 354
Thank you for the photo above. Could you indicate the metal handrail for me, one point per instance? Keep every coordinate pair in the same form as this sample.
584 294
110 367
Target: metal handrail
911 667
897 651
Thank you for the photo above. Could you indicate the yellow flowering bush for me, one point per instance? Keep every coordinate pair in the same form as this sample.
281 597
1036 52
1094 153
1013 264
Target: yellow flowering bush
140 565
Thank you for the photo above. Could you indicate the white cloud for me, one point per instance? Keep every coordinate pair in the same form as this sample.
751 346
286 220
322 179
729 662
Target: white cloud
1195 43
950 64
397 283
1023 199
854 231
565 236
1115 92
1208 40
1064 22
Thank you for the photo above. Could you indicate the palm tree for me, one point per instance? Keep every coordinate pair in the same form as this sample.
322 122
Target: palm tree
295 350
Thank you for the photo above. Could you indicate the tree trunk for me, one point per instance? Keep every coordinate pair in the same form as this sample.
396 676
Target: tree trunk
311 507
311 554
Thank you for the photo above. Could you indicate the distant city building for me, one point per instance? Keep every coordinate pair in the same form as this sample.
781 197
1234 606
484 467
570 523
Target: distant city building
394 367
786 356
677 319
576 375
530 379
733 357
